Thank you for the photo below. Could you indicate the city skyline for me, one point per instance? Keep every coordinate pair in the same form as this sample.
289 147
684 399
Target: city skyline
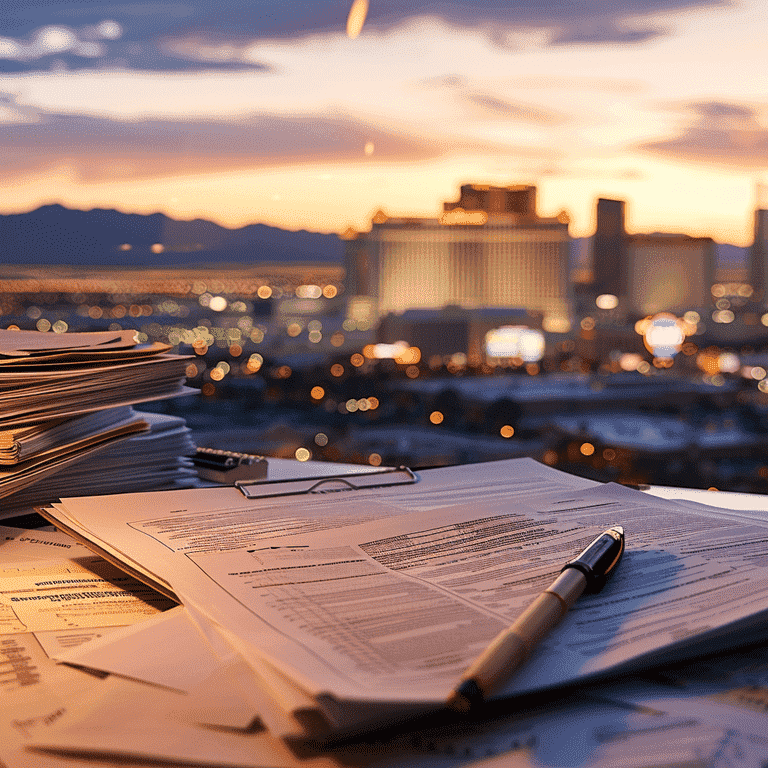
250 112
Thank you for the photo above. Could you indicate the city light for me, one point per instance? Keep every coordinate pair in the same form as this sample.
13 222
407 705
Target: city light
515 341
607 301
663 334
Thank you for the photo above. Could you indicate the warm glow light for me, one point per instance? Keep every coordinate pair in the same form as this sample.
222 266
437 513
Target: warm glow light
309 291
217 303
507 431
255 361
337 370
607 301
356 18
264 292
692 317
303 454
708 361
436 417
723 316
663 334
630 361
728 362
511 341
157 248
556 324
409 356
587 449
317 393
374 459
357 359
386 351
458 216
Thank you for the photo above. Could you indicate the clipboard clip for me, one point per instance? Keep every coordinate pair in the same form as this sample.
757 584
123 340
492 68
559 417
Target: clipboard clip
352 481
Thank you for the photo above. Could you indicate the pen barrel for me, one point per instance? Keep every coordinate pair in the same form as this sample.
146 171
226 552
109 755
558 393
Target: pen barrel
512 646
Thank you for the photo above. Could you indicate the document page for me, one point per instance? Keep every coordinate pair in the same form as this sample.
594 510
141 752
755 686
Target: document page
144 528
221 551
402 606
41 596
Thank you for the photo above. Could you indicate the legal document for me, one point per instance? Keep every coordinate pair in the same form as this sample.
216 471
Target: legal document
382 596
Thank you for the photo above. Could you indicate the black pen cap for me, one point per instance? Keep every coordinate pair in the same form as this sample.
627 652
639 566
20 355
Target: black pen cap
599 559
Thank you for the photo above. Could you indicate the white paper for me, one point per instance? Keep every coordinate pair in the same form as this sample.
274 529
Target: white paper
71 594
685 575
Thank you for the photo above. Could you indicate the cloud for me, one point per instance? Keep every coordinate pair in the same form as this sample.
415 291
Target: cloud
492 106
99 46
92 149
488 105
168 28
601 32
717 133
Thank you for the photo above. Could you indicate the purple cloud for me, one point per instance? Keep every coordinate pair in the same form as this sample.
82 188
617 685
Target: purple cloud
101 149
149 29
718 133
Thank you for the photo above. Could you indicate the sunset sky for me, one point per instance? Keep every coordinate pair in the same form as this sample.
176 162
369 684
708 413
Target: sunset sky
270 112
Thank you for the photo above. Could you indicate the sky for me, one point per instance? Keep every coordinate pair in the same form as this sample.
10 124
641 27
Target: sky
274 112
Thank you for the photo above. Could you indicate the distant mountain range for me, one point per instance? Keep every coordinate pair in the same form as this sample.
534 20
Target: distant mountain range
56 235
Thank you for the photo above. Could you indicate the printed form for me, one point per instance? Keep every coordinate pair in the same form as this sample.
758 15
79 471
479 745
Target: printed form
459 555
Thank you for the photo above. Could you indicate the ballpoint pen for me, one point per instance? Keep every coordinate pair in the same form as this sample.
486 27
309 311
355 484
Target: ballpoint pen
508 650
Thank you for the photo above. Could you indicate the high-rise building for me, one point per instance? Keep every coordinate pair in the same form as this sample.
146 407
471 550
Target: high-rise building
668 273
609 249
488 249
649 273
758 255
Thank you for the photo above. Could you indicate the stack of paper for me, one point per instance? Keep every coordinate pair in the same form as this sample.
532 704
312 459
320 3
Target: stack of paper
65 402
331 612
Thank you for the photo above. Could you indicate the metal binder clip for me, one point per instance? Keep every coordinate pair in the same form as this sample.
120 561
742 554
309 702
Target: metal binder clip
352 481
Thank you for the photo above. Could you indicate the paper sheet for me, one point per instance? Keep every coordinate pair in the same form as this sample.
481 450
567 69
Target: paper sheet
71 594
678 587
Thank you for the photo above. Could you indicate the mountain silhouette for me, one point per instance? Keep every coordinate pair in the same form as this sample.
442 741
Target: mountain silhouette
57 235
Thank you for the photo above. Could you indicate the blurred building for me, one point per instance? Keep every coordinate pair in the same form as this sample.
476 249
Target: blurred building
669 273
488 249
609 248
452 330
649 273
758 254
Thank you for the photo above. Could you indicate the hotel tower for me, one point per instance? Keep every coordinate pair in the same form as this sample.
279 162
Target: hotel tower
487 249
